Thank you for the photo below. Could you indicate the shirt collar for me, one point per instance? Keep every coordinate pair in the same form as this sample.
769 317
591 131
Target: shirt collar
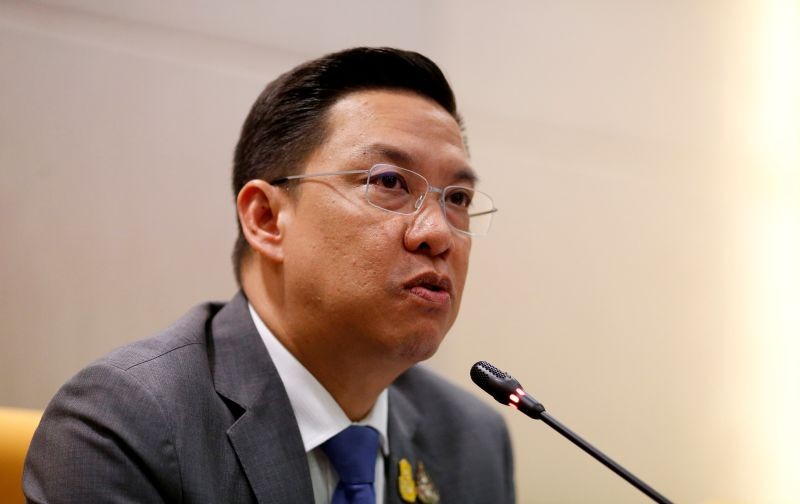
318 415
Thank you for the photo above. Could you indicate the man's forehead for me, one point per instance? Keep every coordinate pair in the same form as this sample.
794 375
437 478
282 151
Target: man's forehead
394 109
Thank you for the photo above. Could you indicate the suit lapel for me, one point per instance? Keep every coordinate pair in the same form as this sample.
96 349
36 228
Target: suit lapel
404 421
265 437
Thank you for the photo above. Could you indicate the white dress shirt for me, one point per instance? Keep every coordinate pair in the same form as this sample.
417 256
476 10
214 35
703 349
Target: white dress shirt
320 418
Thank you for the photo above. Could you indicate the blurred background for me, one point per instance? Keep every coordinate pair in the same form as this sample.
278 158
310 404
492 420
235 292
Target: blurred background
642 278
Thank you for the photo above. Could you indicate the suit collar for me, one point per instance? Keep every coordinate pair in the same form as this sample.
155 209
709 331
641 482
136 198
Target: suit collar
265 435
319 416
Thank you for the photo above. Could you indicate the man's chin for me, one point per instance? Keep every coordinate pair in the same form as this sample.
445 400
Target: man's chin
419 348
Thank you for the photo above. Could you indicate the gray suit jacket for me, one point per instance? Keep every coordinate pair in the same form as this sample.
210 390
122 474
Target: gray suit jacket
198 414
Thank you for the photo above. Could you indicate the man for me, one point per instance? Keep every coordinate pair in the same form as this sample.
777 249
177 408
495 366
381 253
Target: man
357 207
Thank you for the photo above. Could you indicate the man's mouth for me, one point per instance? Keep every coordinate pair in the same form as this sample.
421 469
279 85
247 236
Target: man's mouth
431 287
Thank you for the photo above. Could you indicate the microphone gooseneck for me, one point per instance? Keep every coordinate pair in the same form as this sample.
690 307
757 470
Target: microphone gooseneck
507 390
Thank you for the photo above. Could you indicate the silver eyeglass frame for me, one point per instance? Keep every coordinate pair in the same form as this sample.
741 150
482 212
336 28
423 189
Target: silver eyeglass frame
417 204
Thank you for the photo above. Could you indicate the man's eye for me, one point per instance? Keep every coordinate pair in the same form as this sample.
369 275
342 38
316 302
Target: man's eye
390 181
460 198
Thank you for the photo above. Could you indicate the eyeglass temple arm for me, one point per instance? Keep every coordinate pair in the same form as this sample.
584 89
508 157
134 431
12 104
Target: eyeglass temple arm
287 178
493 210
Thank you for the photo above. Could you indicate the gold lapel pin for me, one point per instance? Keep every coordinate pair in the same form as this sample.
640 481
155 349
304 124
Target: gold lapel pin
426 490
405 481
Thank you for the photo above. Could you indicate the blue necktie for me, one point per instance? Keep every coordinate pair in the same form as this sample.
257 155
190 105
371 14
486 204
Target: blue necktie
353 452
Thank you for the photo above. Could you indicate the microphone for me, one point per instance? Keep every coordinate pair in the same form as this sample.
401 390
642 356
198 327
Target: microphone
507 390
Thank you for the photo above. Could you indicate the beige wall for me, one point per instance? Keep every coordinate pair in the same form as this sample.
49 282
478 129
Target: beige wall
641 278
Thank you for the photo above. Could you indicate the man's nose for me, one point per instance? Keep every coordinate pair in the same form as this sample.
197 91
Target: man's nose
429 232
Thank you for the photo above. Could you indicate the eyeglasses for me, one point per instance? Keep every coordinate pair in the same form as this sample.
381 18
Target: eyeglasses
403 192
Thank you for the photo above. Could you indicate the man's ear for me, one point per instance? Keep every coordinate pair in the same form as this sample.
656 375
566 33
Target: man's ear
262 210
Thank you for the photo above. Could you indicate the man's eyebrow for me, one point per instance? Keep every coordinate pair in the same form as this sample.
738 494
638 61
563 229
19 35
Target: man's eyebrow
466 175
406 160
393 154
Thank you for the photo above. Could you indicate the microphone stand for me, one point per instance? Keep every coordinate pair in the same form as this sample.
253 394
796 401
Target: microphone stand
507 390
601 457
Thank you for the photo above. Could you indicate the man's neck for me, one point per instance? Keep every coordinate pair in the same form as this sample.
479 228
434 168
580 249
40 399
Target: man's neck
354 378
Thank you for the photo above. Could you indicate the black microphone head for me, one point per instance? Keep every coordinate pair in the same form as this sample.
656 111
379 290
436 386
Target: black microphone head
505 389
492 380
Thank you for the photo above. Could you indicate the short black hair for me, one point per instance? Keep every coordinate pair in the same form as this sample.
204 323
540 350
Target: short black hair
288 120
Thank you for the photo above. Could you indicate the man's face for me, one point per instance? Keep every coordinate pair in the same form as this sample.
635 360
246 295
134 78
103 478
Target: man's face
360 279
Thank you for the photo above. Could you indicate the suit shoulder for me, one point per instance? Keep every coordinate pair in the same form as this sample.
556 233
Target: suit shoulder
189 330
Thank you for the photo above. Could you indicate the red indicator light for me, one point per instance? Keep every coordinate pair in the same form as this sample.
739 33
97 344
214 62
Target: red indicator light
514 398
520 392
